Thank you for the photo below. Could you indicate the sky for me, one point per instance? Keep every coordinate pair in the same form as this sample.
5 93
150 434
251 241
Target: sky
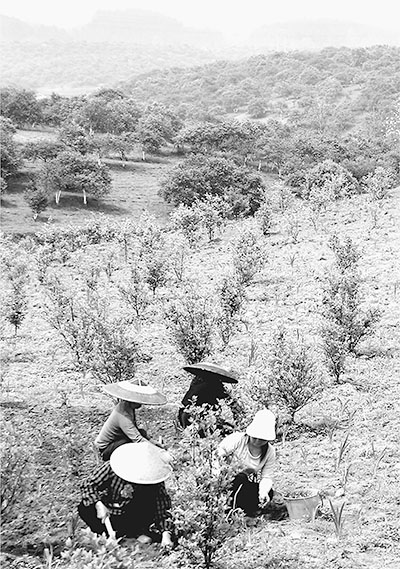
229 16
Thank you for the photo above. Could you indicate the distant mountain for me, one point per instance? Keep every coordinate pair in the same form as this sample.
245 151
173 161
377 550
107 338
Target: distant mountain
316 34
143 27
132 26
14 30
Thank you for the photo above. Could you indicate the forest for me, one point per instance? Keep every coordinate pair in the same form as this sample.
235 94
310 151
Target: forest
241 212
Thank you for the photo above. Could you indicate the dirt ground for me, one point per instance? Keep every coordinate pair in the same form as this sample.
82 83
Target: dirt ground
55 413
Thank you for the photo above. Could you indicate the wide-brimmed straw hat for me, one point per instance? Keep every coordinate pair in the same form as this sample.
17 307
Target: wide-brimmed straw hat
262 426
136 392
141 463
211 371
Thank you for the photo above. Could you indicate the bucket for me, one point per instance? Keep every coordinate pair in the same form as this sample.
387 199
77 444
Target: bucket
303 508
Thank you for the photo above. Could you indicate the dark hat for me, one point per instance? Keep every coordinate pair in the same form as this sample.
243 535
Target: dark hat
207 370
136 392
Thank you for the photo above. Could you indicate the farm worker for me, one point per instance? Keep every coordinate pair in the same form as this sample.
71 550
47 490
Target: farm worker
121 427
253 452
128 491
207 388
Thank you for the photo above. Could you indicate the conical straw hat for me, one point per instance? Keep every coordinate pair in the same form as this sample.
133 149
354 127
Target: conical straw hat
211 371
141 463
135 392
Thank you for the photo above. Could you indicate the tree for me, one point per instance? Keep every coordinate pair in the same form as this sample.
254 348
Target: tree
232 137
73 172
157 127
37 198
20 106
10 158
109 111
200 175
44 150
75 138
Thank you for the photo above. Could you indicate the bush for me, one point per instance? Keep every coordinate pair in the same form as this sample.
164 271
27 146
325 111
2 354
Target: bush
346 322
187 220
201 499
264 217
231 297
379 183
15 471
212 212
248 256
191 321
16 271
330 178
294 377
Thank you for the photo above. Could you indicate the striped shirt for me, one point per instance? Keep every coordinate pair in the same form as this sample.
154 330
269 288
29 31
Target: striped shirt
116 494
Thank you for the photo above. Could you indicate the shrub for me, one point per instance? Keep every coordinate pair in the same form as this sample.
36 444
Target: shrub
248 256
16 272
115 352
231 297
331 178
294 377
191 321
341 306
345 322
212 212
134 292
201 499
187 220
15 471
264 217
380 182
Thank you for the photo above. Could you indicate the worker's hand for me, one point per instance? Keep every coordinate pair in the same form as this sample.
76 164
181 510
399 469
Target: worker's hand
263 501
166 540
102 511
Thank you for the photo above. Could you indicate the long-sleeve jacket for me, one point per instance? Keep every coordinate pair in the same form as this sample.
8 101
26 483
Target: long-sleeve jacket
121 423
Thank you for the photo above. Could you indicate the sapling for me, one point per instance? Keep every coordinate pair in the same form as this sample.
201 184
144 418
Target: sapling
248 256
191 320
200 505
134 291
16 302
231 297
295 380
212 212
188 221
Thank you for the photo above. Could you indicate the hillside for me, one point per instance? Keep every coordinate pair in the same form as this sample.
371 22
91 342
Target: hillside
78 67
354 80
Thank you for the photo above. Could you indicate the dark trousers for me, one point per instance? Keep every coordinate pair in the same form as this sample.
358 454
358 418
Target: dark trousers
135 520
244 494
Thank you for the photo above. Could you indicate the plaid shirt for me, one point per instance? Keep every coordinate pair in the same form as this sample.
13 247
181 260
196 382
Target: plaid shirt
115 493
